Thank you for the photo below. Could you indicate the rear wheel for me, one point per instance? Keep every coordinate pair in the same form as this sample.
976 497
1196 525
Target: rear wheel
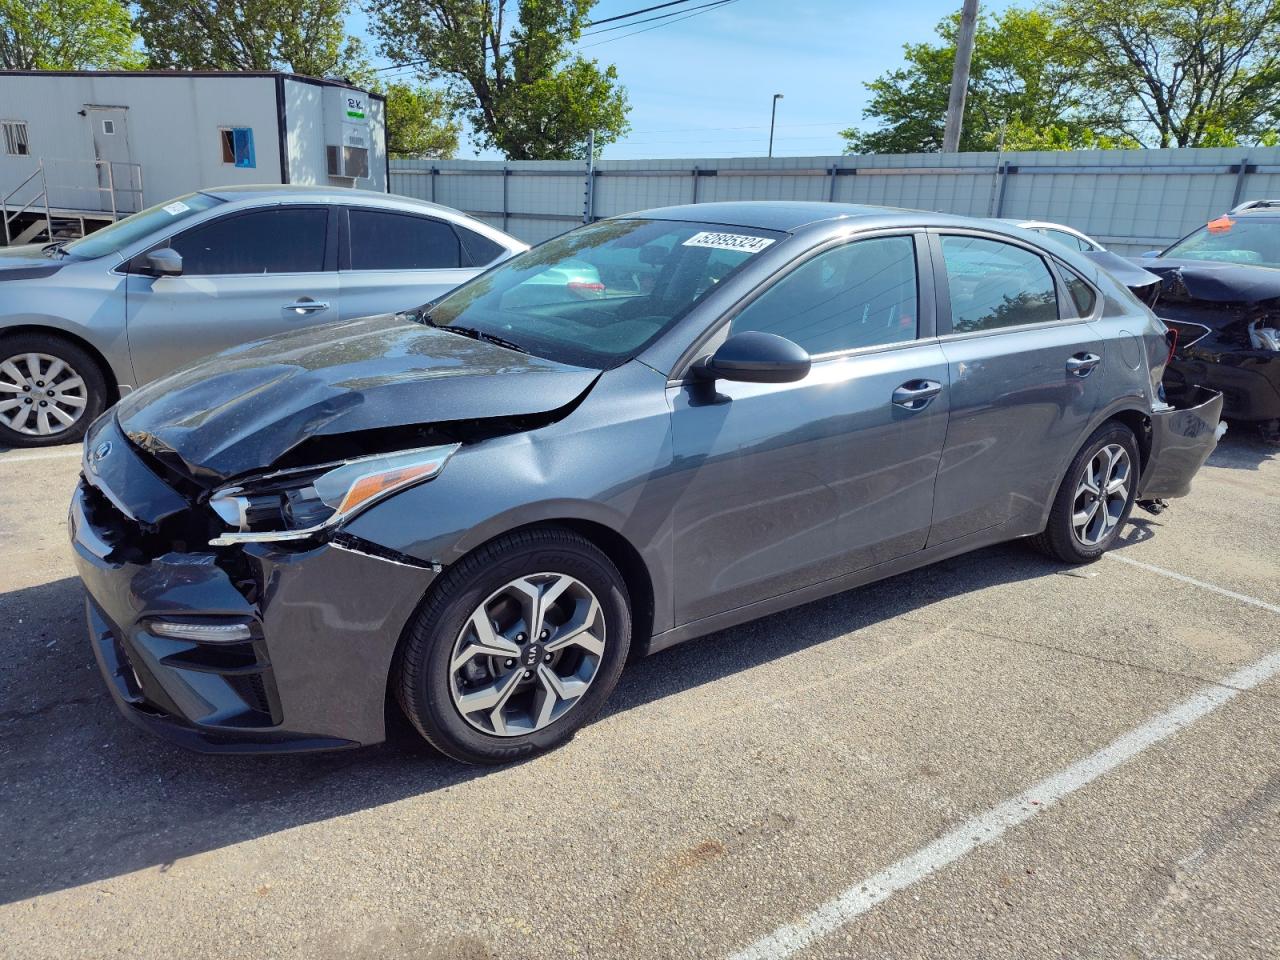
517 646
1095 499
50 390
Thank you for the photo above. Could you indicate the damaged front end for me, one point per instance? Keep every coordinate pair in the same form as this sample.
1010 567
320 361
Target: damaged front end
229 609
1227 321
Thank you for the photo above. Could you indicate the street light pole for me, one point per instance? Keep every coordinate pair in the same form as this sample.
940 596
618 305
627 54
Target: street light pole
960 76
773 116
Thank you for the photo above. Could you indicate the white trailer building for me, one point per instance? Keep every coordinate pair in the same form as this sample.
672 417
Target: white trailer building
82 148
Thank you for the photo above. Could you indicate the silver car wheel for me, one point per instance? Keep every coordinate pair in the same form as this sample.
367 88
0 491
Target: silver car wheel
527 654
40 395
1101 495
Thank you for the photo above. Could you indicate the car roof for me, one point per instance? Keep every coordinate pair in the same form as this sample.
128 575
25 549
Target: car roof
297 193
785 215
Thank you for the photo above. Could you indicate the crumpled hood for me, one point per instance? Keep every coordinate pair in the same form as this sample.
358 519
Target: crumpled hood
243 409
1215 282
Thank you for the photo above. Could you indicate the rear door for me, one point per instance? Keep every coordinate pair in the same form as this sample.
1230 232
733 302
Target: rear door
1024 375
246 275
790 484
393 260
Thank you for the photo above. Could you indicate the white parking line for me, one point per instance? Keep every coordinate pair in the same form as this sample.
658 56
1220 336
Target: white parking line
990 826
51 455
1223 591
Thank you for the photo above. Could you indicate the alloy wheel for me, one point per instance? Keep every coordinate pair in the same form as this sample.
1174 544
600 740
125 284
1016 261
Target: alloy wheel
1101 495
526 656
40 395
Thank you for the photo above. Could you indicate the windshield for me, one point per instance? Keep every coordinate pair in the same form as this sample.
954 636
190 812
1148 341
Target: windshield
1252 242
600 294
114 238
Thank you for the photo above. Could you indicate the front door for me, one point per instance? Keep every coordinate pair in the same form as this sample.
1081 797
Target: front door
786 485
244 276
1023 389
119 184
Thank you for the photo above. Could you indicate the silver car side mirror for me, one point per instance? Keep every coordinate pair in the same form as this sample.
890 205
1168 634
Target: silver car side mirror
165 262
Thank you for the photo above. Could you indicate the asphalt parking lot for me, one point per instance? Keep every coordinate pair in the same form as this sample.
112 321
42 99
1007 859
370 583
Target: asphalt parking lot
992 757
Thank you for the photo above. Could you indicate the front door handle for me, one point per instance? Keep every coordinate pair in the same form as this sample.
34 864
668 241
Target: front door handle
916 394
1082 364
304 305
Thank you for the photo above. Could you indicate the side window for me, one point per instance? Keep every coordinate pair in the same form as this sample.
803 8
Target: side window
861 294
278 240
478 250
995 284
1082 294
400 241
1068 240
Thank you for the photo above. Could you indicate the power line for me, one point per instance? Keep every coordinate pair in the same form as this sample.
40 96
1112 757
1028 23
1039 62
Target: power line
596 23
661 16
697 12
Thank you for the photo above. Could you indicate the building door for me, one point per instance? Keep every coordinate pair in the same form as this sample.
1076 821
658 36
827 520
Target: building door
116 174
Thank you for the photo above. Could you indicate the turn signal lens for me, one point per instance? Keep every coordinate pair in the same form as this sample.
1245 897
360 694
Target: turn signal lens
376 484
201 632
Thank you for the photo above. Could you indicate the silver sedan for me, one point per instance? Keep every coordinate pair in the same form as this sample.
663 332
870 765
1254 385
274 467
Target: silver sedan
83 322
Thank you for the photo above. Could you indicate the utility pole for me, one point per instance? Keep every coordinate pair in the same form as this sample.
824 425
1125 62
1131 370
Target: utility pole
773 117
960 76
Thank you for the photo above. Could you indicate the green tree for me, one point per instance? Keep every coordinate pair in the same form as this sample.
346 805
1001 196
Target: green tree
1186 73
420 122
1026 78
522 91
67 35
301 36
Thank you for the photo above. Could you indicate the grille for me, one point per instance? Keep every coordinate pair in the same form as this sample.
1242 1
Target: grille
251 688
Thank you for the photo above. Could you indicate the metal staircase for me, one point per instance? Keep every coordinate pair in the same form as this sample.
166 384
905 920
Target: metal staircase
44 215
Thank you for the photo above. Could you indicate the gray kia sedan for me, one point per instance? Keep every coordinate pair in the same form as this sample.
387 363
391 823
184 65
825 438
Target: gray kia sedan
82 322
482 507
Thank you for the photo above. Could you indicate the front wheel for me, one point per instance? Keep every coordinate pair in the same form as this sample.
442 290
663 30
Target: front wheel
1095 499
517 646
50 390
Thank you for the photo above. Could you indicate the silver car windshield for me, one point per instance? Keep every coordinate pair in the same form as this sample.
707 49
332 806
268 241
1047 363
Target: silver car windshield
600 294
117 236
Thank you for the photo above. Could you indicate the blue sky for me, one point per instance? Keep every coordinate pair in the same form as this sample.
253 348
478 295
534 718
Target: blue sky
703 87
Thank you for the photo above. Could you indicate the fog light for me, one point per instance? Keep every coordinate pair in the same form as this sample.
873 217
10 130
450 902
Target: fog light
202 632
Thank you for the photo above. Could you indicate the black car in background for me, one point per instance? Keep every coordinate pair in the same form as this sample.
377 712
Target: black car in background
1220 293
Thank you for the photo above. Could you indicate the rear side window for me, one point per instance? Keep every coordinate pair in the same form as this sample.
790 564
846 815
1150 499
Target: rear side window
1082 294
278 240
862 294
397 241
477 249
994 284
1068 240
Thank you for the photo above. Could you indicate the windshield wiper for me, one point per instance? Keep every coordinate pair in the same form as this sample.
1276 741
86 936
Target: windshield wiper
49 249
423 315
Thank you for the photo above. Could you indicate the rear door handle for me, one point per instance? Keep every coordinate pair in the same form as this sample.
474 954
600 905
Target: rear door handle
916 394
305 305
1082 364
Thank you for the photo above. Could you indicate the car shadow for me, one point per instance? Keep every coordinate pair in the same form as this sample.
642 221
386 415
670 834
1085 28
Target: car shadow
1242 448
87 796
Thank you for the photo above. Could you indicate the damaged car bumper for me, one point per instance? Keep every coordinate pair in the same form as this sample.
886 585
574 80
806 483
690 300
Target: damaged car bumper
1184 433
234 649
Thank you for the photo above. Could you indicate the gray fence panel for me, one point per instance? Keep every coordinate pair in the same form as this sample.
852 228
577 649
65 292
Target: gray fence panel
1131 200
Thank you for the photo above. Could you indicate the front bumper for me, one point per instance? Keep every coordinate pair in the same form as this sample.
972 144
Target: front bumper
1182 437
324 623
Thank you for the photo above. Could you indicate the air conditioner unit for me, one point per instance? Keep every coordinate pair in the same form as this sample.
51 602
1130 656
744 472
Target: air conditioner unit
347 160
348 133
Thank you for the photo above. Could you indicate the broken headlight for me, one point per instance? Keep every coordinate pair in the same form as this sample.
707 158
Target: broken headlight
295 504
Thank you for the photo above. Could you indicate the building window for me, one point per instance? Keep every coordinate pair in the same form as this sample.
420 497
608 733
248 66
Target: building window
237 146
15 138
109 127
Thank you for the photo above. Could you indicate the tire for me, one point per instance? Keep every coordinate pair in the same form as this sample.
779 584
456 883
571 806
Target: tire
436 679
1063 538
77 390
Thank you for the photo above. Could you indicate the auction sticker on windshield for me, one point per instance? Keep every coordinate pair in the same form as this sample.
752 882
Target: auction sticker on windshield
728 241
176 208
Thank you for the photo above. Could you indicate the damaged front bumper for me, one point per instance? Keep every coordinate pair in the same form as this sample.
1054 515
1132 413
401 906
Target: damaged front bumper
1183 435
311 629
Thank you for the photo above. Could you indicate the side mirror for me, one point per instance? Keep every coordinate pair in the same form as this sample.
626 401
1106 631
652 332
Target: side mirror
165 262
1150 254
755 357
